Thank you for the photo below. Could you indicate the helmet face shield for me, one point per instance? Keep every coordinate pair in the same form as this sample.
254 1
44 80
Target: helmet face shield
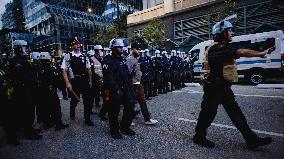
220 27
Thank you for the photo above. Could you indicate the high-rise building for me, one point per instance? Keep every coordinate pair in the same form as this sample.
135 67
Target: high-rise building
113 8
55 21
13 17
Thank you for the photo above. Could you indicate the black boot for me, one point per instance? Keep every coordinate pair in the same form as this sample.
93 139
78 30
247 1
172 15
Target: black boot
202 141
128 132
89 123
116 135
103 117
252 145
61 126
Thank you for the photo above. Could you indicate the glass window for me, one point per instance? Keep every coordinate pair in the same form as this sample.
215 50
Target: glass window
195 54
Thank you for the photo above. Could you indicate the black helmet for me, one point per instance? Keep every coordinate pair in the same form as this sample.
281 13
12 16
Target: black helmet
136 45
75 40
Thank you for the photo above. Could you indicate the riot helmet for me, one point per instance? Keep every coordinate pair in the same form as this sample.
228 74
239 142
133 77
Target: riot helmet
220 31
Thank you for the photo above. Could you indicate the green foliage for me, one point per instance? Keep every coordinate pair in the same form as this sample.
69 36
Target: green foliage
104 36
117 29
224 9
153 33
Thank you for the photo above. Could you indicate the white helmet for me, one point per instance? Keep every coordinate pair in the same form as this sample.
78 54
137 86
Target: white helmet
20 43
157 51
146 50
173 52
164 52
116 43
45 56
35 55
91 52
98 47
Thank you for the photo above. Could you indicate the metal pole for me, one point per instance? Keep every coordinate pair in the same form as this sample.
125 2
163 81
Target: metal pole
118 17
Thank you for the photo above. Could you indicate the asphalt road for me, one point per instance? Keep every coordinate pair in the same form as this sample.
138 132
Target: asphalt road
172 137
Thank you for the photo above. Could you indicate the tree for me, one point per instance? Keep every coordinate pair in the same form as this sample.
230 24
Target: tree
117 29
103 37
153 33
224 9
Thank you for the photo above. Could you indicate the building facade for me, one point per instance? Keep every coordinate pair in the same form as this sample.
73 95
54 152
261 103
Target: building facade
55 21
113 8
188 22
13 17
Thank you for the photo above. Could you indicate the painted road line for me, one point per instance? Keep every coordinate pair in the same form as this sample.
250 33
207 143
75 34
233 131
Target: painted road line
242 95
232 127
270 86
192 84
262 96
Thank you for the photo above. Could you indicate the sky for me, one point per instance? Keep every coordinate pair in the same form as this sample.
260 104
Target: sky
2 8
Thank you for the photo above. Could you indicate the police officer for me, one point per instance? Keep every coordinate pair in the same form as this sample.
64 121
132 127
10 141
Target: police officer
174 70
166 70
60 79
158 72
7 108
117 83
136 74
19 73
217 87
146 66
49 103
77 66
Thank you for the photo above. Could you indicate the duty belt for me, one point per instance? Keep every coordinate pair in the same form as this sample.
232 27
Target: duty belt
80 76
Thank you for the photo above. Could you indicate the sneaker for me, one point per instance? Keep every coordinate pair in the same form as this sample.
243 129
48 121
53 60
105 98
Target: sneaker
259 142
203 142
132 124
128 132
151 122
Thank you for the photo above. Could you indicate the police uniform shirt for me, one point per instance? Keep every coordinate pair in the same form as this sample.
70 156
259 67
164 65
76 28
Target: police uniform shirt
66 62
217 56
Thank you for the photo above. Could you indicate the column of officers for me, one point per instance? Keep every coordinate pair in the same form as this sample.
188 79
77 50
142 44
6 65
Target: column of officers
29 84
30 80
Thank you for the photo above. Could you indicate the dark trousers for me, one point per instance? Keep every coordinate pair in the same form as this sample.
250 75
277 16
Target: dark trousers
8 118
96 92
50 107
221 94
138 89
114 109
24 108
81 86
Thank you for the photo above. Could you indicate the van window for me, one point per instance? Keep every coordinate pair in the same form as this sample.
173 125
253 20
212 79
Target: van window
257 46
195 54
263 45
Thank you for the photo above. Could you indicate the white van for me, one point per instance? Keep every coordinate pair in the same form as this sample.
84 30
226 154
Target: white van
255 69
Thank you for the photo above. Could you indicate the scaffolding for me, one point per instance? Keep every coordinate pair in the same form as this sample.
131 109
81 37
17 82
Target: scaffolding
254 18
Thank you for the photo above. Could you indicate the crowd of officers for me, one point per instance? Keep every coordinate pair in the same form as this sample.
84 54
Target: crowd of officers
30 82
